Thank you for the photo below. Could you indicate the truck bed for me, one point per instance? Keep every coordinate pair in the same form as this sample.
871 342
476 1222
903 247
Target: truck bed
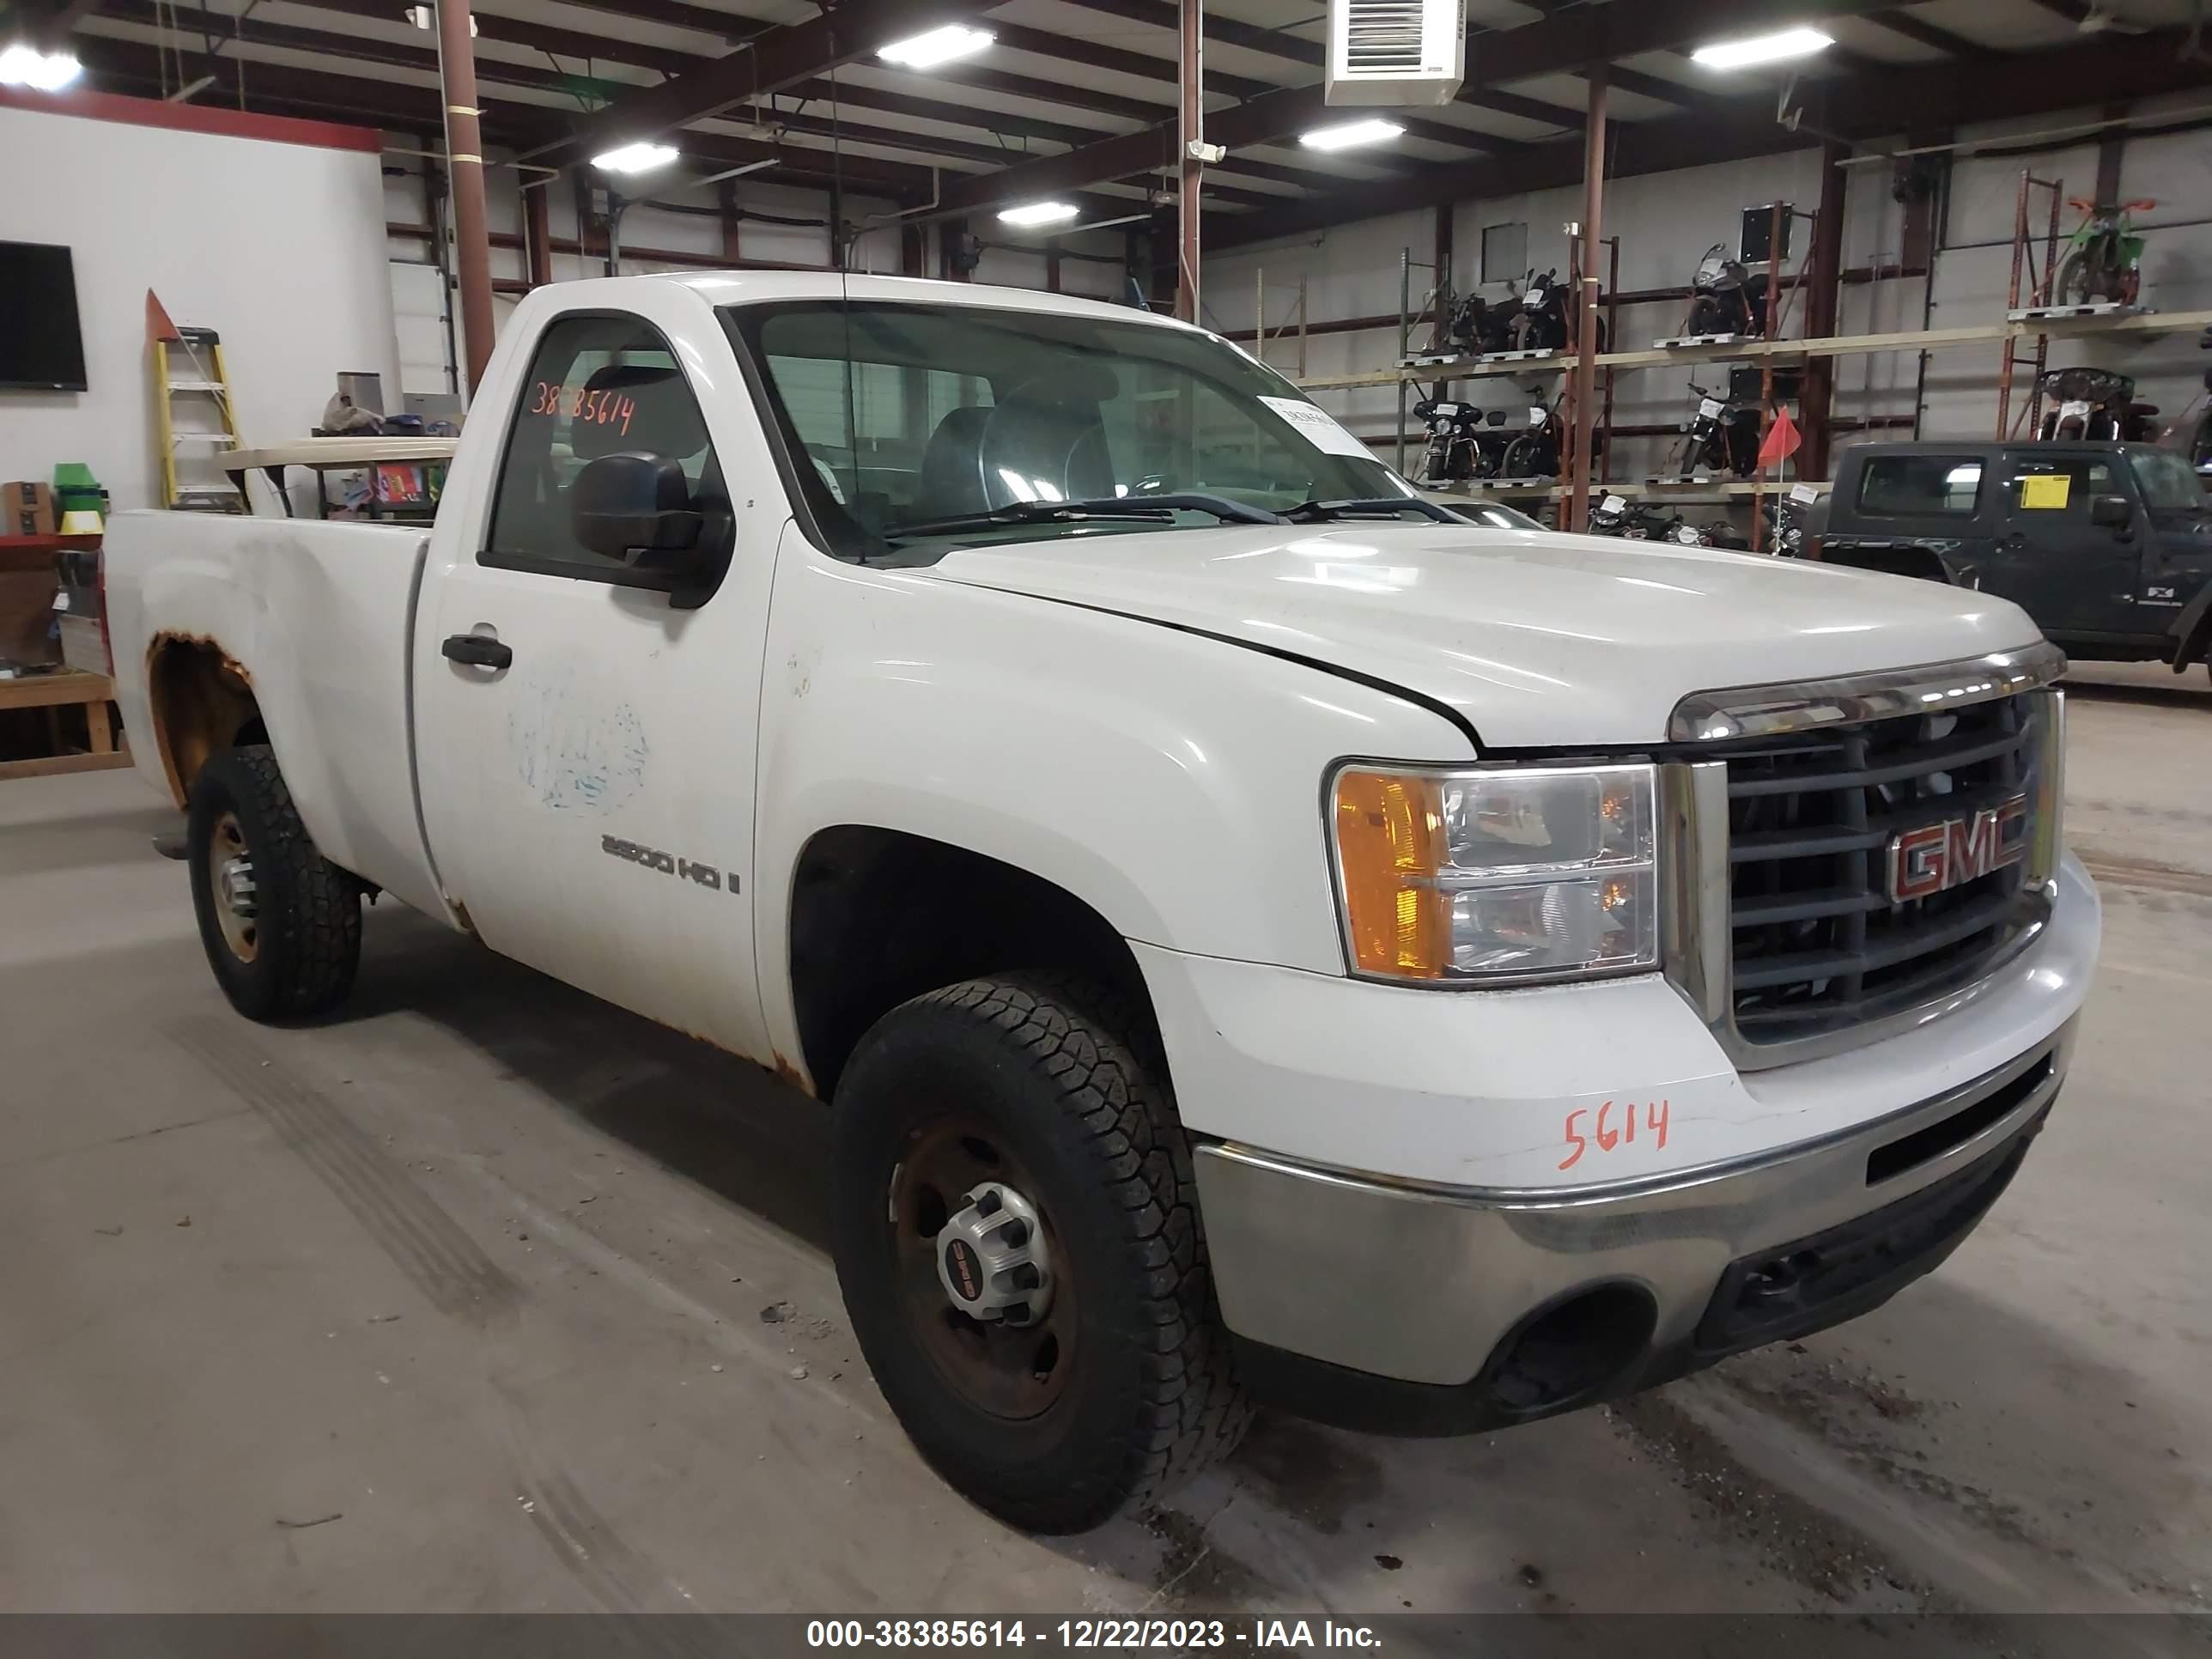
318 619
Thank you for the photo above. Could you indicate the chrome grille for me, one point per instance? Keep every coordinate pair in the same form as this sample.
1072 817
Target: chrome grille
1815 939
1780 803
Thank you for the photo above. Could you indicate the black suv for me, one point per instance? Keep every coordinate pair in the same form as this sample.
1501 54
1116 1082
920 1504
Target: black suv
2107 546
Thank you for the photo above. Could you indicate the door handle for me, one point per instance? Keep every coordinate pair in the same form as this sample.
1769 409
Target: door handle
477 650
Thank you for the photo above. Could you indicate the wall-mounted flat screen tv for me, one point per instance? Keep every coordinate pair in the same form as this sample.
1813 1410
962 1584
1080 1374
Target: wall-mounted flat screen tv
41 348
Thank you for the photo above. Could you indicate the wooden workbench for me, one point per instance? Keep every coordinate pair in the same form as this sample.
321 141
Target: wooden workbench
54 693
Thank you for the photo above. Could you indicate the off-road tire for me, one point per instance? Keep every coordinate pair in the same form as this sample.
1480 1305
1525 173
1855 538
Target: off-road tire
1057 1067
307 911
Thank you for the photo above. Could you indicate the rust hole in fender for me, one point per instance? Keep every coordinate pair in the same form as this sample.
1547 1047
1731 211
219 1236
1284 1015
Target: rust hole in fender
201 702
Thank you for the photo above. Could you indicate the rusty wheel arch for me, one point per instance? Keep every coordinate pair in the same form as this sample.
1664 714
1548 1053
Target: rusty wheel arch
201 701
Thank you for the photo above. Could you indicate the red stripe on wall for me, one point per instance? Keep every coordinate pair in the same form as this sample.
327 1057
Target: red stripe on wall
193 117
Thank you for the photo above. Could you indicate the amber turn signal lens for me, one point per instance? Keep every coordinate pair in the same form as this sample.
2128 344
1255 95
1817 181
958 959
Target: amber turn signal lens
1390 847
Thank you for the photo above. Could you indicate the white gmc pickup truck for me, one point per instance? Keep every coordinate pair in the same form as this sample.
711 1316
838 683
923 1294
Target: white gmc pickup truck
1262 939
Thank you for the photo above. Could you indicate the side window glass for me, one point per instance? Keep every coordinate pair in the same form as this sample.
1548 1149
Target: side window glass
2061 488
597 385
1920 486
881 449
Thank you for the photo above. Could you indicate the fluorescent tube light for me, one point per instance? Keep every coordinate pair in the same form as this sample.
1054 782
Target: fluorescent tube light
1762 49
1039 213
925 52
1350 135
636 158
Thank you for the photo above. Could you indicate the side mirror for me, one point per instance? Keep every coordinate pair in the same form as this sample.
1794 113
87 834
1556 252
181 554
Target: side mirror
636 508
2111 513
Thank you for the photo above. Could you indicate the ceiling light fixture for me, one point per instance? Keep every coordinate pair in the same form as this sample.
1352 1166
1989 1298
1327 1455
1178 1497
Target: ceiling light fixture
1039 213
1350 135
925 52
635 158
1762 49
22 64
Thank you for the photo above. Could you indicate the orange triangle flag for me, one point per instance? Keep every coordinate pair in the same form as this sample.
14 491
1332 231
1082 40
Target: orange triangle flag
158 325
1781 443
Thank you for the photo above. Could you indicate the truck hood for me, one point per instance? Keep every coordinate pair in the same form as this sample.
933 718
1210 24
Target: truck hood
1533 639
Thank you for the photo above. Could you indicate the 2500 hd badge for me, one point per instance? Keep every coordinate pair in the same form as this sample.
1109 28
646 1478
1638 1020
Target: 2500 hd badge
668 863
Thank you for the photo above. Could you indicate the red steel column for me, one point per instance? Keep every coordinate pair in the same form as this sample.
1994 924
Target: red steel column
1822 302
1584 401
457 68
1189 130
538 233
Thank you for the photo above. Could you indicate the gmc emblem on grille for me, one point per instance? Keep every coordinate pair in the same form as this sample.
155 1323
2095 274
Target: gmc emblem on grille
1926 861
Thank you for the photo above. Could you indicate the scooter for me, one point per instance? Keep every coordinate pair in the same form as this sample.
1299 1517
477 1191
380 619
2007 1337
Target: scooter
1726 297
2104 263
1720 437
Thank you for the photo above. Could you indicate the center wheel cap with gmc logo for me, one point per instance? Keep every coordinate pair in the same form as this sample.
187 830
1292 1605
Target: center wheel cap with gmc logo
992 1258
964 1274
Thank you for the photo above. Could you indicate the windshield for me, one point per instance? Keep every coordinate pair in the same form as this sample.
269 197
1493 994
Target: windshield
2167 481
951 411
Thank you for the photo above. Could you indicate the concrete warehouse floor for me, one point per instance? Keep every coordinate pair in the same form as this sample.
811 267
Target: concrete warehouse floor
487 1297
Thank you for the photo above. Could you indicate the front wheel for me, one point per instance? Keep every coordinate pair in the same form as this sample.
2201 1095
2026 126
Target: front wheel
280 923
1018 1241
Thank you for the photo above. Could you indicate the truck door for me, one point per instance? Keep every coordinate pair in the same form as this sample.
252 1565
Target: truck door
586 741
2177 547
2072 576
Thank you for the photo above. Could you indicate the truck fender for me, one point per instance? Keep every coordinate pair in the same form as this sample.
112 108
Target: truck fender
2192 630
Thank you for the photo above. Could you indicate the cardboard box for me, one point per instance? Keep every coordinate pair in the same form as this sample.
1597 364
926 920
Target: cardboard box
27 509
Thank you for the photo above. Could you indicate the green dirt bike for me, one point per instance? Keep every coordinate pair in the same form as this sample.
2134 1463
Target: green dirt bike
2104 259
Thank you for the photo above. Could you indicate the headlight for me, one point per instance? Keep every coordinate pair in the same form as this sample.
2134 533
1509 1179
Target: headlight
1486 877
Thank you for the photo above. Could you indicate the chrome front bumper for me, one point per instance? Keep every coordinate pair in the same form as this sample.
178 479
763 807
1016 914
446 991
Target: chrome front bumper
1424 1297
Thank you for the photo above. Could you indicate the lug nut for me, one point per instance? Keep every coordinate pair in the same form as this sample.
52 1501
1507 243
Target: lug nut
989 1204
1025 1277
1015 1233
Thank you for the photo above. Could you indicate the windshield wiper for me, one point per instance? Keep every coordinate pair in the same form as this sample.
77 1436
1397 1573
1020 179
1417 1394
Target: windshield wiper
1127 509
1366 506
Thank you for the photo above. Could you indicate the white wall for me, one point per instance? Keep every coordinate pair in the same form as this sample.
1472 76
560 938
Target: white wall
277 246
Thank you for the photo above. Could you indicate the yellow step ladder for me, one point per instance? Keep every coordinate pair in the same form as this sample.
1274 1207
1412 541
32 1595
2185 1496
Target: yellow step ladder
192 407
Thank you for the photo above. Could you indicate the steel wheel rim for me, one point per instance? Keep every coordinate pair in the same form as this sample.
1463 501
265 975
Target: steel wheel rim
1011 1372
228 862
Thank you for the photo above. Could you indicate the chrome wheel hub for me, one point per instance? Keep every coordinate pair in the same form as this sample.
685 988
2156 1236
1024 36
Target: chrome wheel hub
992 1258
231 885
236 883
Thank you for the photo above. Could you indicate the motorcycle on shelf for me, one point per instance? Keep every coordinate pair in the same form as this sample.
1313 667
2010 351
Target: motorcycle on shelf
1639 521
2200 450
2093 404
1721 437
1478 328
1534 452
1786 534
1453 453
1726 296
2104 259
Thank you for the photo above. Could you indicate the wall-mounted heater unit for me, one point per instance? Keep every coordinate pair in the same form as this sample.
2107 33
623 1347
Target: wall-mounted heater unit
1395 52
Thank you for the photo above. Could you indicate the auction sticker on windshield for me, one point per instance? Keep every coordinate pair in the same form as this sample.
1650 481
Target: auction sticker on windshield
1318 427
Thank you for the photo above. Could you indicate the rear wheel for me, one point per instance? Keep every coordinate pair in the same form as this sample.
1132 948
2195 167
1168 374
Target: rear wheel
280 923
1018 1245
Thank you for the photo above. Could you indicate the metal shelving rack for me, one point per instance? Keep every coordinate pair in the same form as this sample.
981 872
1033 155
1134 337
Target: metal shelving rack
1836 345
